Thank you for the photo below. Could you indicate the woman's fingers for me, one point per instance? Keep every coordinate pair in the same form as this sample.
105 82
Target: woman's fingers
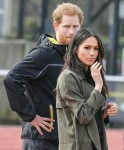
96 66
112 109
96 75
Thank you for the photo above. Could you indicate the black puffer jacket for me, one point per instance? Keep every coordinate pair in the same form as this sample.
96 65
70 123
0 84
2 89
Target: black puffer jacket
30 84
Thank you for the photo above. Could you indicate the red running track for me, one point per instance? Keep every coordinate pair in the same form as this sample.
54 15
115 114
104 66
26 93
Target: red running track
10 138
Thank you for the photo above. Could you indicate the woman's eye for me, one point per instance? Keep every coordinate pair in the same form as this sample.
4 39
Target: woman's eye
96 49
87 48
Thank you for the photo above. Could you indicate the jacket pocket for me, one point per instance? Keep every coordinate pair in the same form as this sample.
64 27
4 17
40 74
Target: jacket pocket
65 125
86 141
67 146
87 146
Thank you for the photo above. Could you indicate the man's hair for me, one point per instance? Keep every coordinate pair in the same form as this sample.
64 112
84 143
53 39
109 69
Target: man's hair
67 9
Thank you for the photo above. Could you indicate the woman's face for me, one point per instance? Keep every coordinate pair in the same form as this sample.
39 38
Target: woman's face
88 51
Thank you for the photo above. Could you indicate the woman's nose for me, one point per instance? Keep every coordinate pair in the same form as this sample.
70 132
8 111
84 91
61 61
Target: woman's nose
92 52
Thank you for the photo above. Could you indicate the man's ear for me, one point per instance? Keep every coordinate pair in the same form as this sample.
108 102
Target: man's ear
55 25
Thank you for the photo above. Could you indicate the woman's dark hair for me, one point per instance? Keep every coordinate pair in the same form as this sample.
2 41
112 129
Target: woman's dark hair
74 63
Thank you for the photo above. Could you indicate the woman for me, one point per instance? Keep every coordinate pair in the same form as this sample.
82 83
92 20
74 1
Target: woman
81 95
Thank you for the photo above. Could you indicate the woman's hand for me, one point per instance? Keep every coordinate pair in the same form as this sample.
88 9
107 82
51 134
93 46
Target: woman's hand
96 75
110 110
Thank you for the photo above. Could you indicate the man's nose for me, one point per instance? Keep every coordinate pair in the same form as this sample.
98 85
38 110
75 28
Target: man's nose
72 31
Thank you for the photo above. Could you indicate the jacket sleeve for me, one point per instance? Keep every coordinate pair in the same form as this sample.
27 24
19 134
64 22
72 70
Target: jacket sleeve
83 109
23 72
106 120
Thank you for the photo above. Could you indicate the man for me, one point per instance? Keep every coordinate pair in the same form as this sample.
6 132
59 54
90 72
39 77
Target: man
31 82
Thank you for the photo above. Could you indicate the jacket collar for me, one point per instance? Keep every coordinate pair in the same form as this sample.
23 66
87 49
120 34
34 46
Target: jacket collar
81 76
61 48
48 41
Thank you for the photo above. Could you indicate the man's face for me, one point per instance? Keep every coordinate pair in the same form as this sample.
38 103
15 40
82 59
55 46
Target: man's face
66 29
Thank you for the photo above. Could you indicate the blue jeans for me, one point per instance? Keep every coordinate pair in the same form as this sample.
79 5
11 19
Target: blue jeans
28 144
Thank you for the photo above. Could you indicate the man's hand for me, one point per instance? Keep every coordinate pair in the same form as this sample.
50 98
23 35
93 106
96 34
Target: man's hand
111 110
42 122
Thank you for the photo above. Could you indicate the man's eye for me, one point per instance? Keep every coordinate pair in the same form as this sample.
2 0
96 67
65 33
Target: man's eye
87 48
66 26
75 26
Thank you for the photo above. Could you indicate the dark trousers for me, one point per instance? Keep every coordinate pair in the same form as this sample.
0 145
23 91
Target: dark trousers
28 144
